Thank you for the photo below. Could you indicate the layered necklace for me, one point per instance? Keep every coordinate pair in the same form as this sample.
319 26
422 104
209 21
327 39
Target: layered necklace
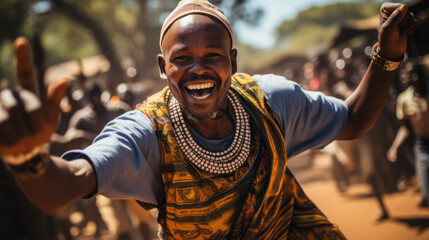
223 162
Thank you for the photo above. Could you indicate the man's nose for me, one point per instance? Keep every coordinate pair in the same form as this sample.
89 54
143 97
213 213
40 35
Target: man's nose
198 67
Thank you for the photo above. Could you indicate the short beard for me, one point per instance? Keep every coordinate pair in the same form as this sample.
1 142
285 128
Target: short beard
195 119
213 115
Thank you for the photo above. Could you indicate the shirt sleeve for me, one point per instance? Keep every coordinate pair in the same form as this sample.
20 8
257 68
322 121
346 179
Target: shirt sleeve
403 97
126 159
307 119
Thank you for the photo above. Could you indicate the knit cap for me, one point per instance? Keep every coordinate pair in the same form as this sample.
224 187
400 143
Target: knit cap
187 7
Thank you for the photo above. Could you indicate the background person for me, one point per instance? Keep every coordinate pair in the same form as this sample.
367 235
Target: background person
413 109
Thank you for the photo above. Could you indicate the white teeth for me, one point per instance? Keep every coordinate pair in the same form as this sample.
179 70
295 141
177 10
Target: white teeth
201 97
199 86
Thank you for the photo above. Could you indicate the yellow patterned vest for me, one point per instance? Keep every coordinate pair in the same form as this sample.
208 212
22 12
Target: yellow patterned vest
199 205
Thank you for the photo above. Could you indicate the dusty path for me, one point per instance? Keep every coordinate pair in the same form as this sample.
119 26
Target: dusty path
355 210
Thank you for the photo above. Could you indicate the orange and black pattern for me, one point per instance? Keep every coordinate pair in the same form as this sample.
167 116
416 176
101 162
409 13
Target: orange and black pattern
200 205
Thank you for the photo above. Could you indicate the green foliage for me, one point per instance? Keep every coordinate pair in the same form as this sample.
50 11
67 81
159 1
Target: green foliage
318 24
12 15
6 63
62 38
308 35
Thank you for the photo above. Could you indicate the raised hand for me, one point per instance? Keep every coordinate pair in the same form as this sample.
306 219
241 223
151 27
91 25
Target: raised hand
396 22
28 120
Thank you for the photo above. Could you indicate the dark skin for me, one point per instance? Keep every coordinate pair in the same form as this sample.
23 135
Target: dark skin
63 182
367 101
211 57
197 50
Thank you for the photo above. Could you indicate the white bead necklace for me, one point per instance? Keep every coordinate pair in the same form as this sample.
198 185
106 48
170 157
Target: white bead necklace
214 162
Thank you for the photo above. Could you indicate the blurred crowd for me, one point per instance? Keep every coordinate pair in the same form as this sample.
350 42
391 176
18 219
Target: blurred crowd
393 156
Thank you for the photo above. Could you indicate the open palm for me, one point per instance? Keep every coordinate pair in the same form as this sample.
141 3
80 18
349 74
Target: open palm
27 120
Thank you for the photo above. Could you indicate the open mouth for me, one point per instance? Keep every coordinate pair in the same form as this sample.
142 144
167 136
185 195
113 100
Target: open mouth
200 91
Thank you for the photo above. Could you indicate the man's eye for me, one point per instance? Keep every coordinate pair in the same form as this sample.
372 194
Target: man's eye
213 55
181 58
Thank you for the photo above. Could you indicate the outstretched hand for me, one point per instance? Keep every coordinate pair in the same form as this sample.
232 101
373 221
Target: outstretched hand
28 120
396 22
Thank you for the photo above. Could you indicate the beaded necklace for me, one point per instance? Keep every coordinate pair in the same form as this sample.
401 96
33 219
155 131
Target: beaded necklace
223 162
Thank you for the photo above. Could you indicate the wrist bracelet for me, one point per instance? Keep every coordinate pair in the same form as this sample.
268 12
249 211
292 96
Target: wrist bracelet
29 165
385 63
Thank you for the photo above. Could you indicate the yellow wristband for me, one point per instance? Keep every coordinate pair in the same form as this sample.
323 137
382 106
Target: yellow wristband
385 63
30 164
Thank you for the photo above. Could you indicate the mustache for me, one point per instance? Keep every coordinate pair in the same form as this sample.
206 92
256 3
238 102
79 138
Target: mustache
195 77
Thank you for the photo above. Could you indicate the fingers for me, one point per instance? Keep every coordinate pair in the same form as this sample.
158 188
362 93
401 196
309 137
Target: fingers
395 23
408 25
21 120
56 93
32 107
19 113
397 15
6 127
26 121
394 13
23 65
12 106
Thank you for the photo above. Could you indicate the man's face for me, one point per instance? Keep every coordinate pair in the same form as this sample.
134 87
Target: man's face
198 63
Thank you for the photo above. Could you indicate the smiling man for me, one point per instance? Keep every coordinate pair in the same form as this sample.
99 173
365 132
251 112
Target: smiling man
210 150
197 63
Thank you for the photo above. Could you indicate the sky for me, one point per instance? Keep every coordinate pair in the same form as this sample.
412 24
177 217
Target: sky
275 11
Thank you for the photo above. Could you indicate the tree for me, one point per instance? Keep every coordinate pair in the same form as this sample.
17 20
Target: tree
318 24
12 15
99 34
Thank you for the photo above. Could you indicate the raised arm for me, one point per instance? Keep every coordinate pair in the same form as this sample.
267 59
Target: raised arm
367 101
27 121
402 135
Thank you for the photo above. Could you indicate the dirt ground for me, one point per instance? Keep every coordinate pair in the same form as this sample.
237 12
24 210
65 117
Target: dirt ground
355 210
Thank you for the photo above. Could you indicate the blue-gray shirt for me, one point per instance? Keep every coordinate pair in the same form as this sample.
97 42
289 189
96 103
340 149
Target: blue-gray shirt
126 157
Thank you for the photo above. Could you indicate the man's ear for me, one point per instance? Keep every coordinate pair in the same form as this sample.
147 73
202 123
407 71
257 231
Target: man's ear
161 65
233 60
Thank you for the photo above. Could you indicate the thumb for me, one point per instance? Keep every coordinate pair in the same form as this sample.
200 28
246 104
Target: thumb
56 93
398 15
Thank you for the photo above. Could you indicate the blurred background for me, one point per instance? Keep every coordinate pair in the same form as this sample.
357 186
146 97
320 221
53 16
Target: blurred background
108 49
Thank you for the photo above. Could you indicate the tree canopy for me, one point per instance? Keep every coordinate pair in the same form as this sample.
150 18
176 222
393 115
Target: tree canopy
319 23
